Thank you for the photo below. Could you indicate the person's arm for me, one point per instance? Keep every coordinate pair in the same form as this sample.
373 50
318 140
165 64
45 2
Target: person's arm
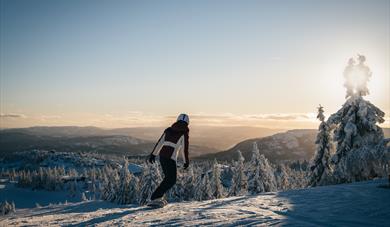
186 145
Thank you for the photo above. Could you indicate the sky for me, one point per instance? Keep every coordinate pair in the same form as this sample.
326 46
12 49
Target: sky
225 63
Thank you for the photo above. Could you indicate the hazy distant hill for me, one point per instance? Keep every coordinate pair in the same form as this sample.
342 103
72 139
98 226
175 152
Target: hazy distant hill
218 138
82 141
60 131
290 145
295 144
123 145
140 141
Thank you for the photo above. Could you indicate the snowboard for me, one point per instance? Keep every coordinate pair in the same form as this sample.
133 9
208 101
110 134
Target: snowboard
156 204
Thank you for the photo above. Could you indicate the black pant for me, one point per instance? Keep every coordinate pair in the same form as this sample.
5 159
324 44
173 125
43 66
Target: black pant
169 168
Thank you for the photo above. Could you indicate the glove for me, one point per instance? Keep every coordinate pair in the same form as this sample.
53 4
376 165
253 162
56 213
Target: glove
186 165
152 158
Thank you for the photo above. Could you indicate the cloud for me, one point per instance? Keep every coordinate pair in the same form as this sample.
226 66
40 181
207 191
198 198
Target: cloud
49 117
268 120
276 117
284 117
12 116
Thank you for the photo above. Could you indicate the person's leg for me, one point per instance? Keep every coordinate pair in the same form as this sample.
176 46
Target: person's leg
169 169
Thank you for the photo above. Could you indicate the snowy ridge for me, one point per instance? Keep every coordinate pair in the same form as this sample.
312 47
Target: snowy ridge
298 144
357 204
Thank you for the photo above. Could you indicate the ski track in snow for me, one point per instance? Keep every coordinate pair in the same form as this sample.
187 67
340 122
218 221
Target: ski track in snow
357 204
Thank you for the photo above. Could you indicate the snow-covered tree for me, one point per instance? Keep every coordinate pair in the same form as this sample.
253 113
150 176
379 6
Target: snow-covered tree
83 197
123 193
149 182
262 178
7 208
320 164
189 184
25 178
92 180
110 188
203 189
127 190
176 193
217 188
282 176
239 184
361 147
72 188
254 184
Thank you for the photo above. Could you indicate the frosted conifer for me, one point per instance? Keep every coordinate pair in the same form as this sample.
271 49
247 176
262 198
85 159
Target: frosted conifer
150 180
361 146
217 188
320 164
239 182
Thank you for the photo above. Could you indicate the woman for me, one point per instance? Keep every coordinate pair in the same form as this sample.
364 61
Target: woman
173 141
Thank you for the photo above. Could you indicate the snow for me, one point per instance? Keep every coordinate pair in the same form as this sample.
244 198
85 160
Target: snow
27 198
135 169
357 204
288 139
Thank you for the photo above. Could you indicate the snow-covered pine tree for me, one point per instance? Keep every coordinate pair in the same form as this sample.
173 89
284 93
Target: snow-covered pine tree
239 181
267 175
24 179
361 147
320 164
103 183
92 178
134 189
262 178
203 189
110 189
7 208
72 188
13 207
149 182
189 184
128 185
282 177
177 193
254 184
123 193
83 197
217 188
198 188
40 179
12 175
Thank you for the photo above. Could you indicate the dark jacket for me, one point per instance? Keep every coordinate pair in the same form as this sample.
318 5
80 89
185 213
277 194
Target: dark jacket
174 140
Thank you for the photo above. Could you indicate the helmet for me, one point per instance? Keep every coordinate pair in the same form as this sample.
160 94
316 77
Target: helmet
183 117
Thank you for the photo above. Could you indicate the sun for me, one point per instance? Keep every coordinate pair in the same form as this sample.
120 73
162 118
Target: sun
357 76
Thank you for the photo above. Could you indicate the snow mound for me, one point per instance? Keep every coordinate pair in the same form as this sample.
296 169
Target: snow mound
357 204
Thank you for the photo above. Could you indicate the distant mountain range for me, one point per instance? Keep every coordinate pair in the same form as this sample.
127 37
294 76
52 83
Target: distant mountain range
80 139
290 145
298 144
205 142
215 138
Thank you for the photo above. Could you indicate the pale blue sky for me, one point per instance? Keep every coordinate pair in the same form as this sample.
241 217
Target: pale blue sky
101 60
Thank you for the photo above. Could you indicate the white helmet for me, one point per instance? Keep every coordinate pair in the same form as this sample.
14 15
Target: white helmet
183 117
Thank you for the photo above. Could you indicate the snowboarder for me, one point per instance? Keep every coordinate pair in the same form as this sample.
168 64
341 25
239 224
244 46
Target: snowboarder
173 141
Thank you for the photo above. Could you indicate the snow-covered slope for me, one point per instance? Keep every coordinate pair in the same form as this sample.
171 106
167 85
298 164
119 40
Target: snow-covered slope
357 204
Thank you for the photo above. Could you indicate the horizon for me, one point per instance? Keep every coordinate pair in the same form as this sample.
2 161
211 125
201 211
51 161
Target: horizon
138 64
